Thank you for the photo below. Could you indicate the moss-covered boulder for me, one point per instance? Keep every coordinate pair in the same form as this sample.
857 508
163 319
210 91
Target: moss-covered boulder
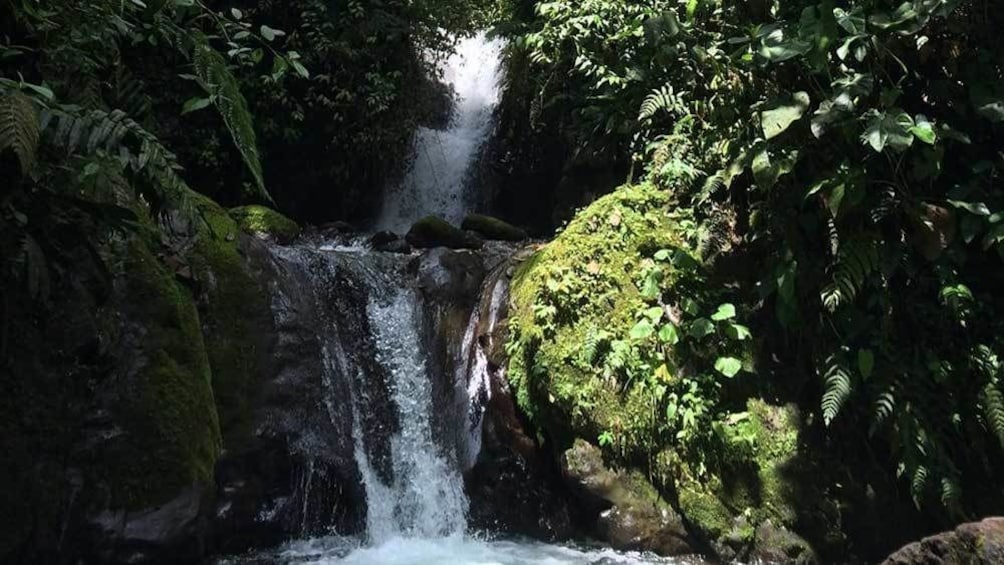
433 231
493 228
235 313
161 396
748 493
579 284
264 222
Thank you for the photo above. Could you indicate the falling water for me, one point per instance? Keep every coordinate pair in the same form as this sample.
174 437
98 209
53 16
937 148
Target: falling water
375 360
428 493
436 183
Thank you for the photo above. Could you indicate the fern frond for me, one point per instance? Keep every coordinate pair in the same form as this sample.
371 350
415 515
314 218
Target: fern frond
19 129
212 70
884 406
858 258
837 380
662 99
918 483
139 151
951 493
129 94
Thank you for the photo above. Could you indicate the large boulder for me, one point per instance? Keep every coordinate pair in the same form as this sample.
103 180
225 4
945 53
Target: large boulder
749 493
979 543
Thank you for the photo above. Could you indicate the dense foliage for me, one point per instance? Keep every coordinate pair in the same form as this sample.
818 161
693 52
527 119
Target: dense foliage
842 160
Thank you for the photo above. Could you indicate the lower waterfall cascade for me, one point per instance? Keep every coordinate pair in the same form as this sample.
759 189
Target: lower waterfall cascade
412 386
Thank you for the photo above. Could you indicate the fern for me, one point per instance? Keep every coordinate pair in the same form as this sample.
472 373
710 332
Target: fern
139 151
216 78
838 386
662 99
857 259
19 129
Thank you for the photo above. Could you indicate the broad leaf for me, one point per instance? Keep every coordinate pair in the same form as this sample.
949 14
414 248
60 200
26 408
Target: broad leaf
782 113
728 366
889 130
195 104
725 312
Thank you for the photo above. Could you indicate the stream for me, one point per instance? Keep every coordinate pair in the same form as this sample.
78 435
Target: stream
415 414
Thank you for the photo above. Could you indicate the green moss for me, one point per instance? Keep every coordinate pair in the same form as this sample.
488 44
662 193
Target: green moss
260 220
579 284
493 228
171 431
235 315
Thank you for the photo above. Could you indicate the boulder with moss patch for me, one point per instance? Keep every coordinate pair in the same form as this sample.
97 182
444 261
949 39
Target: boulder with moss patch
746 498
433 231
493 228
266 223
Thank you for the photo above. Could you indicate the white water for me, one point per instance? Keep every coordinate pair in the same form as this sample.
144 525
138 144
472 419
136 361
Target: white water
427 497
436 183
420 517
455 551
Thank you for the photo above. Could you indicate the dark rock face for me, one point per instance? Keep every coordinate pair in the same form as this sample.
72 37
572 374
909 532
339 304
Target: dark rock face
389 242
978 543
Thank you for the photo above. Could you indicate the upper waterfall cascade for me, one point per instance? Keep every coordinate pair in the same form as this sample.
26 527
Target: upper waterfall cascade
437 182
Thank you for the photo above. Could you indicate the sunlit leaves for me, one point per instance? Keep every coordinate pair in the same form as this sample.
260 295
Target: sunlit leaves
779 115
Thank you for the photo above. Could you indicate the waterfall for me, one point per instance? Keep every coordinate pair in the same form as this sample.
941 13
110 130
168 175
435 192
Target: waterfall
437 181
428 493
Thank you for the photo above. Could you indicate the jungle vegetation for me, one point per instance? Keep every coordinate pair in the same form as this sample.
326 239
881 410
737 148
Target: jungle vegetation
837 165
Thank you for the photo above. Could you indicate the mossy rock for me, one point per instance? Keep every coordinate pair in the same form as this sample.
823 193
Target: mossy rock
166 410
236 316
433 231
493 228
261 221
748 501
579 284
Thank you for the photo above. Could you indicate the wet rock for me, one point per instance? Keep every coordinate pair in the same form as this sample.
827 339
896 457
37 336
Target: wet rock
389 242
625 509
514 487
493 228
978 543
173 532
432 231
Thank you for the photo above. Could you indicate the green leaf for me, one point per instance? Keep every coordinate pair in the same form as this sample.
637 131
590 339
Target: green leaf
40 90
866 362
975 208
738 332
776 48
725 312
782 113
299 68
642 330
195 104
701 327
924 130
270 34
668 334
237 14
728 366
655 313
853 22
888 130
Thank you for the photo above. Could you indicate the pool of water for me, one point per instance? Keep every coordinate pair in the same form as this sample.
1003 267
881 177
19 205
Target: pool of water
448 551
